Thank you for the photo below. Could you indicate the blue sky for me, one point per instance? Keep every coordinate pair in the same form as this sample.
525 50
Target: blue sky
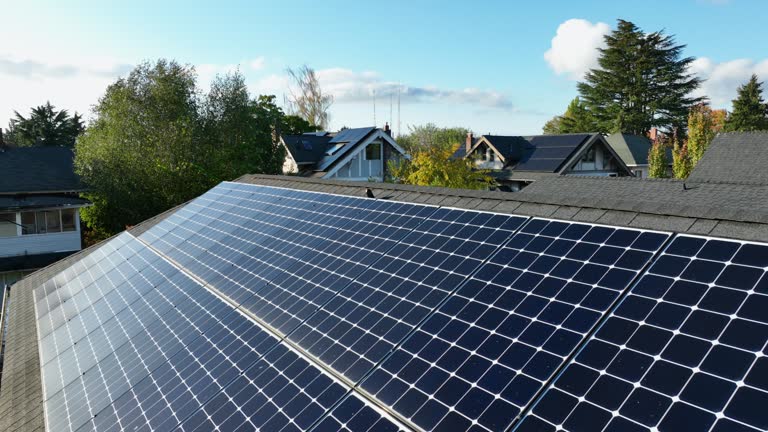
491 66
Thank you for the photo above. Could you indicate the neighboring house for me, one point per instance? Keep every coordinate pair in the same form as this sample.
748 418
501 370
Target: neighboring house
351 154
633 150
734 158
39 202
516 161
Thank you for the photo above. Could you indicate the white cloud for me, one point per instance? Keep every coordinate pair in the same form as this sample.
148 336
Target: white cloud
348 86
722 79
574 47
257 63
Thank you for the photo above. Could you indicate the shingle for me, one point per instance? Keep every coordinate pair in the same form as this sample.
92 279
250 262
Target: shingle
589 215
531 209
702 226
617 217
734 157
565 212
38 169
661 223
741 230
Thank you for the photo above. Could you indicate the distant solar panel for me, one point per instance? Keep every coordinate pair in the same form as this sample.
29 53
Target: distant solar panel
493 345
370 316
549 152
351 135
686 350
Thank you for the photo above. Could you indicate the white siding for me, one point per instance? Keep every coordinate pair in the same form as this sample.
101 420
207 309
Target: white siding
39 243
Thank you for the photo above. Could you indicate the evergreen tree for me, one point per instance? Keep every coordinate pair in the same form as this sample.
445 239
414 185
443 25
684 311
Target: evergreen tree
749 111
642 82
552 126
577 118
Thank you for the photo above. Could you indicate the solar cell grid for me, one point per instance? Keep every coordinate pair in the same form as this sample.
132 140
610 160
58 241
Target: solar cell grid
685 350
482 357
360 325
355 415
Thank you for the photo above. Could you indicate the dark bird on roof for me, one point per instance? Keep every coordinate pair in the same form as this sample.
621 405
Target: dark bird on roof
369 193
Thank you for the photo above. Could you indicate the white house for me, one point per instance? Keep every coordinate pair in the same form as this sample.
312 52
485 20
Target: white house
39 203
516 161
361 154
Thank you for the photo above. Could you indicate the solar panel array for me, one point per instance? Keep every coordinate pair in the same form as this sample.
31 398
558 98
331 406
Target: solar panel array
685 350
259 308
549 152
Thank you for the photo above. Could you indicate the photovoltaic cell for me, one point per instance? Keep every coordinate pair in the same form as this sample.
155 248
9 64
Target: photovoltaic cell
685 350
337 240
369 317
356 415
482 357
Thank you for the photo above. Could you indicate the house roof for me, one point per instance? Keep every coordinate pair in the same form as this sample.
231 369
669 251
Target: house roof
633 149
734 157
348 139
38 169
307 148
737 211
535 153
15 202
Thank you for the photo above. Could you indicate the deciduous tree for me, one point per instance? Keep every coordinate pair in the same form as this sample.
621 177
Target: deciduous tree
307 99
682 161
657 160
434 167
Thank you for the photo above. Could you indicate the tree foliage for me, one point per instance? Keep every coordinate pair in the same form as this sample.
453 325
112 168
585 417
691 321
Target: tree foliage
657 160
45 126
307 99
430 136
432 166
749 113
156 142
576 119
642 82
552 126
703 124
682 160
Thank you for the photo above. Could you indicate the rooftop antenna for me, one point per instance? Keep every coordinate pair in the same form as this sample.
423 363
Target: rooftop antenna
398 110
374 108
390 107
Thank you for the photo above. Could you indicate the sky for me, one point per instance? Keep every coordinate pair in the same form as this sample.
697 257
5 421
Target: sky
498 67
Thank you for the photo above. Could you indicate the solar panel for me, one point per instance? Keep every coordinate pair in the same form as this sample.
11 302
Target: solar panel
351 135
685 350
316 254
356 415
371 315
493 345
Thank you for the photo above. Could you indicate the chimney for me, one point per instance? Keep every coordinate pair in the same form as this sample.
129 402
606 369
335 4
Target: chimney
470 141
387 129
653 134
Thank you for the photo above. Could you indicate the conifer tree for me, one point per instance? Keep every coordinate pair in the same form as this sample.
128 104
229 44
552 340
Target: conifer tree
749 111
642 81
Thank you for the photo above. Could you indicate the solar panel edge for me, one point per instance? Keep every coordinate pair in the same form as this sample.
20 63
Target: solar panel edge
594 330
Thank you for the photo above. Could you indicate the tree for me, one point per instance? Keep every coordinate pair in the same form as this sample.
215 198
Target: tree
552 126
749 111
682 161
430 136
577 118
434 167
642 82
703 124
155 142
657 160
45 126
307 99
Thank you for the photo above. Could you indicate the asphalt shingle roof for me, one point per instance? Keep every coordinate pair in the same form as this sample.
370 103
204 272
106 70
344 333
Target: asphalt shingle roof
38 169
734 157
736 211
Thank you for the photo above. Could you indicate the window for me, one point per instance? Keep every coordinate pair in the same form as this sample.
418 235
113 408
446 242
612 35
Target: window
589 156
48 221
373 151
7 224
68 220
